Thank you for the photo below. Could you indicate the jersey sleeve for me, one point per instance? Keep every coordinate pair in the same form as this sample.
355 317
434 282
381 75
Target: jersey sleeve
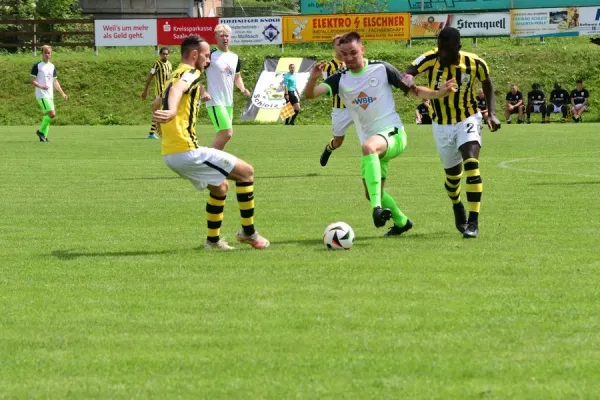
34 70
333 83
154 68
328 70
54 73
425 61
508 96
394 77
191 79
238 67
483 72
586 94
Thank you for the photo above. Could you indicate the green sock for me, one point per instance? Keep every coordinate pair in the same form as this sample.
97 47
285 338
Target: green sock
45 125
371 171
388 202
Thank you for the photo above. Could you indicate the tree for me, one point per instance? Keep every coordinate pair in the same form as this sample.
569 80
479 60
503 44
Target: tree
33 9
353 6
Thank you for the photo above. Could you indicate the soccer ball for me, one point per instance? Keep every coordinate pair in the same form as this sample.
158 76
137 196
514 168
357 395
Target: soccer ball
338 236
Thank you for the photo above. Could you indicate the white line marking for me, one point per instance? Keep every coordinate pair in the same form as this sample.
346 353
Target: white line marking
508 165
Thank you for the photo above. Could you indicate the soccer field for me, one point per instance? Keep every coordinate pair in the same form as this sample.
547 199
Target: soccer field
106 291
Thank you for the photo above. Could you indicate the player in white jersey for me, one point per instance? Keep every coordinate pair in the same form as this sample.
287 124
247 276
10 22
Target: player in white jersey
366 89
222 73
43 77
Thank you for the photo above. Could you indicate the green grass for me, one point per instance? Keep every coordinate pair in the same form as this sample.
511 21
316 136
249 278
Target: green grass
105 89
106 292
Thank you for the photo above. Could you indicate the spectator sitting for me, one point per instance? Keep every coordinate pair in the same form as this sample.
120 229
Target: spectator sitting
579 101
514 104
423 113
559 100
536 102
482 105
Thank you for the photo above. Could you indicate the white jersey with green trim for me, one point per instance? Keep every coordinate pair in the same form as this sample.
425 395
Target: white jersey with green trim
44 73
220 76
368 96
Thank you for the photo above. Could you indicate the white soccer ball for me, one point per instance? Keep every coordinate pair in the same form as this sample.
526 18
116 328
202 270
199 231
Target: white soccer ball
338 236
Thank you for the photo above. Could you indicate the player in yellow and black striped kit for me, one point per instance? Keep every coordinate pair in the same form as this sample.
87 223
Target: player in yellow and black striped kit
457 121
340 117
160 72
175 111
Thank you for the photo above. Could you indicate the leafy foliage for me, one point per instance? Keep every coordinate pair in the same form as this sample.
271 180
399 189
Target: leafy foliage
353 6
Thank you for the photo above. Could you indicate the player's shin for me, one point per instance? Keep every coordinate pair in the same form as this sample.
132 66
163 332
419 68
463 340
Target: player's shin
371 172
245 198
474 187
45 126
398 216
214 217
452 186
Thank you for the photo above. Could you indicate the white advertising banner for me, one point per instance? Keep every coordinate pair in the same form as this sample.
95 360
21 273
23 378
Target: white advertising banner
254 30
589 20
125 32
485 24
544 22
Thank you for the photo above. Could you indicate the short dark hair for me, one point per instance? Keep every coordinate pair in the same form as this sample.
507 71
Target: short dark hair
336 38
190 43
350 37
579 80
450 36
163 49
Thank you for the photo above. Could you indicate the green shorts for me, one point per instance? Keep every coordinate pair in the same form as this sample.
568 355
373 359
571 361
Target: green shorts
221 117
396 141
47 105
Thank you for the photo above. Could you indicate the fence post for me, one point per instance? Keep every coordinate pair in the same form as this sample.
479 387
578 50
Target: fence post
281 47
409 43
474 42
542 40
95 50
34 39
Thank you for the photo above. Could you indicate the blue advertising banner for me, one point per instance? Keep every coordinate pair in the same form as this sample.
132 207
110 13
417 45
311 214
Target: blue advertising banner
415 6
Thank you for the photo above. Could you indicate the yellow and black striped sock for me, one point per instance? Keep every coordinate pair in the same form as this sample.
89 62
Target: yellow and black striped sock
452 185
245 198
330 147
153 128
214 217
474 187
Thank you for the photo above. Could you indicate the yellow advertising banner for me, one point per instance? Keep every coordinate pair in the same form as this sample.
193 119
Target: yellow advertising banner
322 28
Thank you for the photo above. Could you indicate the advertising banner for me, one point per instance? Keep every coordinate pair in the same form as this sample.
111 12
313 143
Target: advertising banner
254 30
125 32
469 25
322 28
589 21
171 31
427 26
267 99
544 22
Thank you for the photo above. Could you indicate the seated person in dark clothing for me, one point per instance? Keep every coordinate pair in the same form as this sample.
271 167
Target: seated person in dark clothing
559 103
536 102
424 113
579 101
514 104
482 105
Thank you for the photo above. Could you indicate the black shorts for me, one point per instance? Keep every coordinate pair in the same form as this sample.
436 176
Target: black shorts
515 110
293 98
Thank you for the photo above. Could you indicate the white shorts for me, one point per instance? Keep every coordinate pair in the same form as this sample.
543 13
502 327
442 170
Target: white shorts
555 108
449 138
340 121
203 166
536 108
578 107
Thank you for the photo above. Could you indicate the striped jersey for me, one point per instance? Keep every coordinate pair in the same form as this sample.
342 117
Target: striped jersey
331 68
161 71
179 134
457 106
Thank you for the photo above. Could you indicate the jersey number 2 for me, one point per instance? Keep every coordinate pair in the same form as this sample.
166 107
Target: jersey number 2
471 128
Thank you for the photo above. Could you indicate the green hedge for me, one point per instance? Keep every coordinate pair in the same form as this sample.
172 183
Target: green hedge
104 89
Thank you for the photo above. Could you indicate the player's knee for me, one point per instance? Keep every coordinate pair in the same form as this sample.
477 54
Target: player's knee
220 190
52 114
245 171
226 134
368 148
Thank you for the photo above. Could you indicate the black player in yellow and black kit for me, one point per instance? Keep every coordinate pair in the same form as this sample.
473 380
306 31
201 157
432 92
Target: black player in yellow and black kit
175 112
160 72
457 121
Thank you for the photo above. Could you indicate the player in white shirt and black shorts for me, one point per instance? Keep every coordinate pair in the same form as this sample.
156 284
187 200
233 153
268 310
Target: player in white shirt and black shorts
222 73
43 77
366 90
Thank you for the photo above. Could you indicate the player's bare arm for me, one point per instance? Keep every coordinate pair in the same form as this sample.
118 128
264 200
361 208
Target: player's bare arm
177 90
59 89
204 95
35 83
147 85
313 90
239 82
488 91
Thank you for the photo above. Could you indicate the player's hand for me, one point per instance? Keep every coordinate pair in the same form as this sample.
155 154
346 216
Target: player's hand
408 80
246 92
64 95
144 95
44 87
163 116
317 70
449 86
595 41
205 96
493 122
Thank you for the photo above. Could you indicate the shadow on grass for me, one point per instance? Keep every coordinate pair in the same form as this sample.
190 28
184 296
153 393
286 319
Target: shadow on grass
360 239
72 254
257 178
